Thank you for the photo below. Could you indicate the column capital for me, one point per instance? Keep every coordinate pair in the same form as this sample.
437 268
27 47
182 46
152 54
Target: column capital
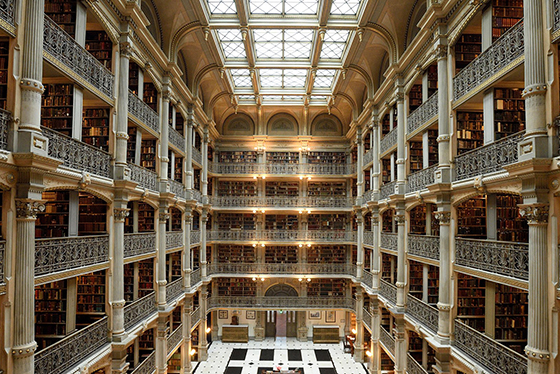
441 51
535 214
28 209
400 219
164 216
443 217
125 49
120 214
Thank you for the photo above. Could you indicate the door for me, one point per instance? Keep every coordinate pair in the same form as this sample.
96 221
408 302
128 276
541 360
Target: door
291 324
270 325
281 322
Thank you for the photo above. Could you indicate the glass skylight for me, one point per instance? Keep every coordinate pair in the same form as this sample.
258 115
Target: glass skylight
345 7
283 43
324 78
232 43
222 6
283 78
282 98
334 44
241 77
283 7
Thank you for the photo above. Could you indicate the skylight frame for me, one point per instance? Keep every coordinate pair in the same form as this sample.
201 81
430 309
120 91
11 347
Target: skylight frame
335 44
221 7
283 8
277 78
346 8
283 44
231 44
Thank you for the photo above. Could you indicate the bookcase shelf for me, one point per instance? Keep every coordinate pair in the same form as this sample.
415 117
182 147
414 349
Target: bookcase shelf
4 62
129 283
326 158
505 14
151 96
233 253
174 223
148 154
56 107
63 12
237 188
388 263
274 188
178 176
281 254
327 221
432 80
95 127
173 266
418 220
467 48
415 345
510 225
327 287
100 46
133 75
387 220
146 344
432 147
281 222
236 221
414 97
326 189
471 293
93 215
511 317
386 170
509 112
330 254
385 125
146 217
174 363
53 222
433 285
236 287
416 156
131 145
416 279
237 156
282 157
91 298
145 277
50 313
470 131
180 124
472 218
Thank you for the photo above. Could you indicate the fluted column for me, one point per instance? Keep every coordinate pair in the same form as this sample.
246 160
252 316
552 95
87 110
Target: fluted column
375 363
121 121
360 161
443 215
161 345
205 139
444 155
401 138
359 342
186 263
375 149
161 259
187 345
203 262
189 172
164 138
376 253
120 212
401 256
360 244
400 345
202 339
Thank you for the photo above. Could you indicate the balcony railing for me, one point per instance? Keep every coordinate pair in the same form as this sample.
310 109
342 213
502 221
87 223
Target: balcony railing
556 15
388 291
280 201
368 195
197 156
143 113
367 318
73 349
174 339
281 169
2 253
388 141
177 188
422 312
368 157
64 50
504 54
387 190
288 302
195 237
173 239
387 340
140 310
274 269
7 11
504 258
368 238
195 277
496 357
139 244
426 246
148 366
488 159
389 241
367 278
173 290
78 155
176 139
413 367
144 177
284 235
195 316
59 254
423 114
5 119
421 179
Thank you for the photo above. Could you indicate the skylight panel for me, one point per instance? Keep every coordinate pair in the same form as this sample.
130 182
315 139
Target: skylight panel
294 77
280 44
345 7
283 78
222 6
319 98
284 7
232 43
307 7
271 77
266 6
246 97
241 77
334 44
324 78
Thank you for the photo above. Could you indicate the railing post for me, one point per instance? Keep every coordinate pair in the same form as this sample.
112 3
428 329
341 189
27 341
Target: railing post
375 363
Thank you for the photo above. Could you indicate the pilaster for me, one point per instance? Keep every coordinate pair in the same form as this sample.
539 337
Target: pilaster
401 256
121 122
161 255
120 212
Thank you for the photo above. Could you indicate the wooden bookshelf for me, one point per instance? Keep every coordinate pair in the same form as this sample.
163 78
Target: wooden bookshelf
233 253
510 225
432 147
129 283
367 141
53 222
146 344
327 287
237 156
237 188
57 106
281 254
175 221
387 220
148 154
471 293
197 173
198 144
133 75
284 188
174 363
178 175
414 98
100 46
326 189
415 345
326 158
509 112
196 220
433 285
4 62
505 14
418 220
327 221
151 95
91 291
236 221
432 80
236 287
415 279
131 145
387 364
511 317
176 317
328 254
470 131
467 48
388 267
354 155
95 127
385 125
386 170
173 266
282 157
367 180
415 156
50 313
471 217
63 12
281 222
145 277
93 215
146 217
196 257
180 124
435 222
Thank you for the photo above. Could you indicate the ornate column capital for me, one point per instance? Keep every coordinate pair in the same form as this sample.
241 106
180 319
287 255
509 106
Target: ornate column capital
120 214
441 51
28 209
400 219
164 216
125 49
443 217
535 214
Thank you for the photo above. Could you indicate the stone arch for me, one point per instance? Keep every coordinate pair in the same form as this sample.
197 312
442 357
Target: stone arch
151 12
238 124
282 124
326 125
281 289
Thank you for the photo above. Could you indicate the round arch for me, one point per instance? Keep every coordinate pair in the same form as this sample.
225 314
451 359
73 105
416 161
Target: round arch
281 289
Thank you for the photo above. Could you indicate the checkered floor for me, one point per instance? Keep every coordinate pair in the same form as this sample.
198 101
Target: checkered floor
254 357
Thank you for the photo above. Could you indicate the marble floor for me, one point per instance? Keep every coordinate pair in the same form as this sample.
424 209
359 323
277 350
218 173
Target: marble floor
246 358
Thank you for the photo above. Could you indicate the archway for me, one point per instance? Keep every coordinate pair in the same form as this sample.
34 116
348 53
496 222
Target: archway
281 323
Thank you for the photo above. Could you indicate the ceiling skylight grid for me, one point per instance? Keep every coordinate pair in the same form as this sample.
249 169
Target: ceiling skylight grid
345 7
241 78
283 7
222 6
283 78
334 44
324 78
232 43
283 43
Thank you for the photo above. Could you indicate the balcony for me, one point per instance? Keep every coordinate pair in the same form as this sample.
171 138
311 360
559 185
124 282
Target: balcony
177 188
173 240
495 357
423 116
5 119
501 57
144 177
421 179
367 318
148 366
282 302
284 235
387 340
426 246
195 317
2 252
389 241
368 196
175 339
60 254
78 155
238 168
367 278
195 237
413 367
195 195
224 202
7 13
388 291
368 238
176 140
139 311
62 51
139 244
556 21
426 314
368 158
387 190
388 142
71 351
142 114
173 290
280 269
504 258
195 277
197 156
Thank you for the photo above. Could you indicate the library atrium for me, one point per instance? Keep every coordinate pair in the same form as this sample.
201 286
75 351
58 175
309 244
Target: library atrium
312 181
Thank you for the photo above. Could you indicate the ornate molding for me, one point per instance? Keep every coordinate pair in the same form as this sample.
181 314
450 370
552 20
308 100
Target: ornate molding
120 214
28 208
164 216
444 218
535 214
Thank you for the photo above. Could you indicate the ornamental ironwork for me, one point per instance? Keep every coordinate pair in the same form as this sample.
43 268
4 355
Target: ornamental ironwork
486 351
286 201
425 314
280 169
148 366
387 340
5 118
422 115
421 179
388 141
509 259
7 11
177 188
367 318
489 158
368 195
232 235
195 317
556 4
413 367
388 291
175 339
287 302
296 268
368 157
64 49
78 155
58 254
173 239
367 278
195 237
426 246
173 290
389 241
197 156
368 238
2 251
176 139
73 349
195 277
387 190
146 116
507 49
139 244
144 177
139 311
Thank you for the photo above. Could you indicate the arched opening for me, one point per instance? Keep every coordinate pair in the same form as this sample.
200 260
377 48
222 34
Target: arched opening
281 323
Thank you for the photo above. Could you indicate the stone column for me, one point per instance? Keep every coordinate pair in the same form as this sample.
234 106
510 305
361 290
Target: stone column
202 339
375 149
161 345
164 138
400 345
443 174
360 161
375 363
189 173
401 138
443 215
187 345
121 124
204 151
161 258
401 256
203 262
186 256
376 253
359 342
120 212
360 244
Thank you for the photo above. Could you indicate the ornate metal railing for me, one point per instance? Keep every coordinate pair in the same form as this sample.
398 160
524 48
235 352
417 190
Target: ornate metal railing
368 237
284 235
413 367
327 169
488 159
424 246
284 201
140 310
142 111
148 366
556 15
504 52
176 139
387 340
421 179
367 278
175 339
296 268
197 156
7 11
388 141
2 251
389 241
488 352
287 302
388 291
422 312
387 190
368 157
281 169
173 239
367 318
178 188
78 155
232 235
368 195
423 114
144 177
139 244
5 118
73 349
173 290
195 316
509 259
195 237
195 277
64 50
58 254
327 202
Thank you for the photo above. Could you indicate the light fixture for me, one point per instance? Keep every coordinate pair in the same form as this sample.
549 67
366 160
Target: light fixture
309 279
254 279
301 176
308 178
263 211
308 245
354 331
254 177
254 245
369 354
301 211
300 279
262 245
208 330
262 279
301 245
308 210
254 211
193 352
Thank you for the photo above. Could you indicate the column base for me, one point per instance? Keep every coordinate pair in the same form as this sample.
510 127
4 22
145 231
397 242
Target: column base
359 354
32 142
259 334
302 334
203 352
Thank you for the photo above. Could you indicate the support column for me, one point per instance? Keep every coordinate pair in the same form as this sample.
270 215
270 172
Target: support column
161 345
203 262
360 161
401 138
359 342
444 159
189 173
401 256
443 215
204 152
375 149
400 344
202 339
186 255
360 244
161 258
375 363
376 253
187 345
121 172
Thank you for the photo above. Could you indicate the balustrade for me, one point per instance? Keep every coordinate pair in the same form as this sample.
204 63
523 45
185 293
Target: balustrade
388 141
139 310
368 196
389 241
413 367
284 201
284 235
274 269
504 258
144 177
556 15
176 139
368 158
59 254
388 291
425 113
426 246
175 339
195 317
281 169
367 278
195 277
387 190
145 115
195 237
426 314
195 195
5 119
421 179
197 156
148 366
7 11
387 340
503 55
173 239
497 358
2 251
489 158
368 238
367 318
78 155
139 243
173 290
177 188
263 302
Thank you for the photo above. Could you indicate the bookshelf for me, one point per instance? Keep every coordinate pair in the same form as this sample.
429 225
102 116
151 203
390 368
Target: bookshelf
511 227
433 285
56 107
210 153
145 277
418 220
148 154
281 254
237 156
416 279
146 344
331 254
388 267
197 173
236 221
93 215
196 220
233 253
414 97
174 363
282 188
50 313
385 125
387 220
511 317
133 76
178 176
4 62
367 141
281 222
282 157
196 257
129 283
180 124
131 145
95 127
326 158
467 48
63 12
91 291
173 266
505 14
415 345
415 156
327 221
53 222
509 112
100 46
432 80
471 293
354 155
198 143
387 364
395 116
237 188
151 95
326 287
367 180
176 317
472 218
435 222
326 189
386 170
470 131
432 147
146 217
236 287
174 223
